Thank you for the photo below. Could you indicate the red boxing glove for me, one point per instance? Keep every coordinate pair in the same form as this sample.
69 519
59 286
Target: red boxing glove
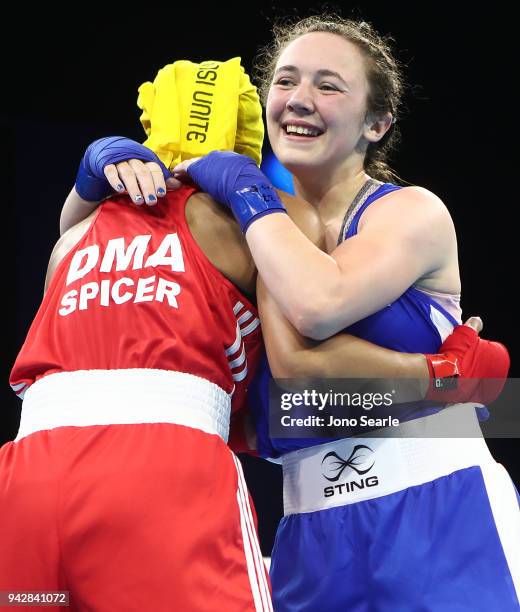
478 368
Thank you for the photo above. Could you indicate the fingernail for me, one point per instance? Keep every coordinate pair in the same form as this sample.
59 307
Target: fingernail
119 187
161 191
138 198
152 198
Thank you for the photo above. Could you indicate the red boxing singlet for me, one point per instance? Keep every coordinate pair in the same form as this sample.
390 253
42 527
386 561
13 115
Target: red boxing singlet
138 292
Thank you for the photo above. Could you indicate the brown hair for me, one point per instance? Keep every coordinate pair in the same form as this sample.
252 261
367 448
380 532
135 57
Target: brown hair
383 74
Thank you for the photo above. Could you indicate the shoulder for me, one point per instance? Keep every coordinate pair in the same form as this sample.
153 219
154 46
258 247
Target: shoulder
201 207
409 209
71 237
204 215
211 223
219 237
66 243
416 199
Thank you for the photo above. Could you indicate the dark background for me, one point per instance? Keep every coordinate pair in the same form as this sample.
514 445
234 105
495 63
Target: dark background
69 81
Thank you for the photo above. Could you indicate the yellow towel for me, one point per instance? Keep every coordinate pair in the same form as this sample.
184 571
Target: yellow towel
191 109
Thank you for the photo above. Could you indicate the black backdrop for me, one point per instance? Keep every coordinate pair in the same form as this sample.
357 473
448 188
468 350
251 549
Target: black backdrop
72 80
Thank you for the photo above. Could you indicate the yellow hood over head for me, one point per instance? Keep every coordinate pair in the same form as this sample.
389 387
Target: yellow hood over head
191 109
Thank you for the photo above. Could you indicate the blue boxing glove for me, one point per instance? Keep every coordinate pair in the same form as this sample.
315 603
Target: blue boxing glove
236 181
91 182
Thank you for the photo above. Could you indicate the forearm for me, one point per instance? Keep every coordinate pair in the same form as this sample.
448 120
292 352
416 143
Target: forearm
298 274
74 210
342 356
345 356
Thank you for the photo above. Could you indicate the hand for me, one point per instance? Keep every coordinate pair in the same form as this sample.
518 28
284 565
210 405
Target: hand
220 173
180 172
91 182
143 181
475 323
480 365
235 181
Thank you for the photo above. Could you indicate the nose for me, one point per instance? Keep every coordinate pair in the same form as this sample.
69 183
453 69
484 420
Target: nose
301 99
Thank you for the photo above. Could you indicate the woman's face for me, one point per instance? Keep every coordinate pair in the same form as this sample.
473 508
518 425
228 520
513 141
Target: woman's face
317 103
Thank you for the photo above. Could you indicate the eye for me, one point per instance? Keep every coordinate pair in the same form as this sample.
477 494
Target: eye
328 87
284 82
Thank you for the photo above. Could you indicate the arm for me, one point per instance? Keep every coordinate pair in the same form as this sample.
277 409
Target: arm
406 238
481 365
292 355
65 244
74 210
410 236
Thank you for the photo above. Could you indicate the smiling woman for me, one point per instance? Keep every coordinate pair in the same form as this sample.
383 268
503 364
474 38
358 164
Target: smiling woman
389 275
332 135
363 72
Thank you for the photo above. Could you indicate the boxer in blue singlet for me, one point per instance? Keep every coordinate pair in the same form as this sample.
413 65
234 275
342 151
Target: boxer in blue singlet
425 522
439 536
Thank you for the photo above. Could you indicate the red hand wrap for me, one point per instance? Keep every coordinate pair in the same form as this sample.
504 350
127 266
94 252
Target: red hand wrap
480 365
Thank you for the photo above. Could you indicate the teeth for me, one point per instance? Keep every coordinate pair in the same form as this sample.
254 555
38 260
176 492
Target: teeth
298 129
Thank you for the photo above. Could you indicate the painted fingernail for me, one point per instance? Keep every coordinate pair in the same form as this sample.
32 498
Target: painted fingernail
138 198
119 187
161 191
152 198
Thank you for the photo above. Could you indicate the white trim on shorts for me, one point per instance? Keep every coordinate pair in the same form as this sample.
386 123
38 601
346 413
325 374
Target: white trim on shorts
254 559
506 513
109 397
381 465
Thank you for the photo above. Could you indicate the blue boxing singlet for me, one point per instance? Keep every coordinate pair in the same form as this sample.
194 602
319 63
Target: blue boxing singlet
413 323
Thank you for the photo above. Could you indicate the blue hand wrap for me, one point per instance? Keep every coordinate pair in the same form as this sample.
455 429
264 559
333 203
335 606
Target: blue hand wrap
91 182
236 181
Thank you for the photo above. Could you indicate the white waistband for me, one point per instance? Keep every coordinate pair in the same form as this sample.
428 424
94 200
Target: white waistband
106 397
355 469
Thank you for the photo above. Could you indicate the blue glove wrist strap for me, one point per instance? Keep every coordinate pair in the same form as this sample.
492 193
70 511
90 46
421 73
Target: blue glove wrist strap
253 202
89 187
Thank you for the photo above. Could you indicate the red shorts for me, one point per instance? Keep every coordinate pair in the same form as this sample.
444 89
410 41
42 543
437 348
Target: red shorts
129 517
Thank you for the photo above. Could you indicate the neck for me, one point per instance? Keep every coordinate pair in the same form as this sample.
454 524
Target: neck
330 193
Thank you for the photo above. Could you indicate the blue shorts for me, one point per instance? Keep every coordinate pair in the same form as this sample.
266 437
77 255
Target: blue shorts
439 546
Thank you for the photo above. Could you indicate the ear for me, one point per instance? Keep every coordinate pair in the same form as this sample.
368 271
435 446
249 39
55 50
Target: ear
376 126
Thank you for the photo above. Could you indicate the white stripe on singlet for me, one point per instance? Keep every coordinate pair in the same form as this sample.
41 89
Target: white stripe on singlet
251 327
236 344
239 360
237 307
234 360
244 317
255 562
443 325
20 389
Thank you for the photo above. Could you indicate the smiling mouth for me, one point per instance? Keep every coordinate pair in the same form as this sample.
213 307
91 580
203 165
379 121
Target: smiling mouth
301 131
